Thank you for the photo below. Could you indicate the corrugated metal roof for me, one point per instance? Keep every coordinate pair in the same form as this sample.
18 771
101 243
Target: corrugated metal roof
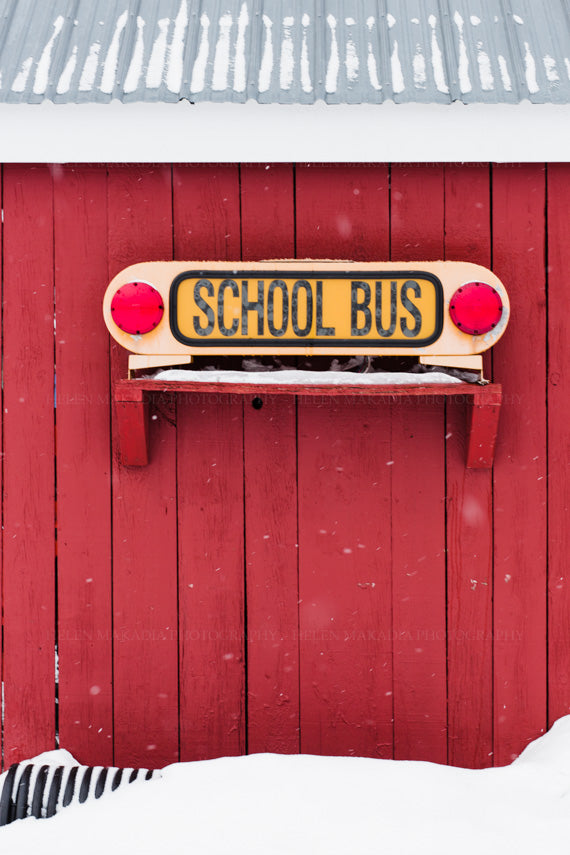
274 51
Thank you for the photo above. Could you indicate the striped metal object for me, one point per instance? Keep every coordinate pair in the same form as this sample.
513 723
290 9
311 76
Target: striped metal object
41 790
429 51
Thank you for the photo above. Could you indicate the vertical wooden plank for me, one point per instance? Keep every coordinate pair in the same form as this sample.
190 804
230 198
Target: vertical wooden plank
2 462
344 500
83 465
29 511
270 470
345 626
418 505
210 510
267 211
469 511
520 463
144 510
210 502
206 212
558 196
341 211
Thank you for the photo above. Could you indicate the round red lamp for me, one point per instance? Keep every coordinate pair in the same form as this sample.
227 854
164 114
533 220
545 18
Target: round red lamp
476 308
137 308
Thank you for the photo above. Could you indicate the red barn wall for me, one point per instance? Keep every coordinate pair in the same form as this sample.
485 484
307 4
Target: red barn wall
318 575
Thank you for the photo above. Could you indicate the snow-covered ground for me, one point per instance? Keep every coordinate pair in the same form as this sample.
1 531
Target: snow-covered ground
269 804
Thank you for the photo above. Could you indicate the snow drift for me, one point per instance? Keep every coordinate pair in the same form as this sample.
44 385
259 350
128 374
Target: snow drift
276 804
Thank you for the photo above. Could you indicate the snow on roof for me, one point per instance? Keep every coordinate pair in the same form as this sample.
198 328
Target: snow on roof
296 52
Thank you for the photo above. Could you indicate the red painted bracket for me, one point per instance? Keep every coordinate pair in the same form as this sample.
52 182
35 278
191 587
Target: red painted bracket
482 424
132 400
132 408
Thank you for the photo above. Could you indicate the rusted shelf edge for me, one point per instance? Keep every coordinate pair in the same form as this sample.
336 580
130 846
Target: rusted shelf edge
133 397
130 389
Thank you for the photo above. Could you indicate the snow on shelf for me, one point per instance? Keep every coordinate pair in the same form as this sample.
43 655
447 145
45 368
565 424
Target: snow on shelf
299 377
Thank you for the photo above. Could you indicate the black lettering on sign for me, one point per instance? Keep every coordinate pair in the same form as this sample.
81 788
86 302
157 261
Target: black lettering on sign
321 330
304 285
256 306
382 331
410 285
273 287
227 283
360 307
204 307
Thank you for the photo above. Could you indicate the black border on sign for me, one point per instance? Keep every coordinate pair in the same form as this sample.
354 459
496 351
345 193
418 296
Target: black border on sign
235 344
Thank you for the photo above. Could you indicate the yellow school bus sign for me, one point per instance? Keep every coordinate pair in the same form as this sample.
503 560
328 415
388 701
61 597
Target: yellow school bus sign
167 312
306 309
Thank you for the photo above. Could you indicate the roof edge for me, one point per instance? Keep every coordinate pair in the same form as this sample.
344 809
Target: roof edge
261 133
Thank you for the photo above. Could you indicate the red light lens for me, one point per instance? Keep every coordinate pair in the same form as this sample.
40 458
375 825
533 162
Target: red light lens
476 308
137 308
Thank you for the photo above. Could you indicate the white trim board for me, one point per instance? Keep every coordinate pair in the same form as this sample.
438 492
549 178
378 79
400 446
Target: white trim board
271 133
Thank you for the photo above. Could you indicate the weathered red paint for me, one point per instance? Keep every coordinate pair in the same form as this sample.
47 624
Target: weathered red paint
145 601
211 578
418 504
344 609
132 408
84 560
271 504
482 423
201 636
133 397
210 506
558 386
28 470
520 487
469 511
